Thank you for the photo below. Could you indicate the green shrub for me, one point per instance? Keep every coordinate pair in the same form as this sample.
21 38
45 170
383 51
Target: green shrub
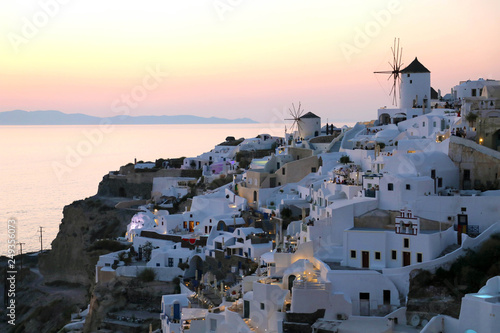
345 159
147 275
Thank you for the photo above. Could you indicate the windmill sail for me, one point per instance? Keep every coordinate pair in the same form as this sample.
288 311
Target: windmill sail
296 113
397 56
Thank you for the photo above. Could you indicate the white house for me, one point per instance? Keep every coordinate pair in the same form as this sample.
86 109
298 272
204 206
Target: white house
176 187
405 245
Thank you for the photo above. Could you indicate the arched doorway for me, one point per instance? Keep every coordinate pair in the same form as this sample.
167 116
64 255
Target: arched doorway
221 225
384 119
195 269
291 278
496 140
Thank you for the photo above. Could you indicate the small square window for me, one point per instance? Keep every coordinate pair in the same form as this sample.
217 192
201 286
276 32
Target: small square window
406 243
353 254
419 257
377 255
394 254
390 187
408 186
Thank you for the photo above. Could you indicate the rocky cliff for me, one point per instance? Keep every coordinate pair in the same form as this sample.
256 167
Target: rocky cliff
73 256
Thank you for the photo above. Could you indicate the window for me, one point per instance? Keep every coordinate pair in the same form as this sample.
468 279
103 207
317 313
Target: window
473 92
419 257
353 254
408 75
406 243
394 254
440 182
411 81
185 224
390 187
262 306
466 174
180 260
408 187
377 256
313 169
433 173
170 262
423 124
157 264
283 171
433 124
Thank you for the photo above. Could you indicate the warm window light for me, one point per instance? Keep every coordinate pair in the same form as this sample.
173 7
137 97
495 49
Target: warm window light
480 141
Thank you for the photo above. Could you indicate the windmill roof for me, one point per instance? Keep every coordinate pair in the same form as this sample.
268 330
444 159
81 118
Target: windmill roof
309 115
415 67
434 94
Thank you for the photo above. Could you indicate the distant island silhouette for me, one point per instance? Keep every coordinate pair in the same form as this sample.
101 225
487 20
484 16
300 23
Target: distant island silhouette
21 117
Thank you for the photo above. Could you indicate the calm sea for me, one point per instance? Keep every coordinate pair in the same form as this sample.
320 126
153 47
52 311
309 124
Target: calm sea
44 168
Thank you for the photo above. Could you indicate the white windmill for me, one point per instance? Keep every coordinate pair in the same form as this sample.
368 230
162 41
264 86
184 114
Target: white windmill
297 126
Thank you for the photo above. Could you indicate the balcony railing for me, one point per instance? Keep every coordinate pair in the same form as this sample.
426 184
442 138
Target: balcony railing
309 285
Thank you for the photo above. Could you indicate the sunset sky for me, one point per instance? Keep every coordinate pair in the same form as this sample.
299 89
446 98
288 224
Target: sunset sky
234 58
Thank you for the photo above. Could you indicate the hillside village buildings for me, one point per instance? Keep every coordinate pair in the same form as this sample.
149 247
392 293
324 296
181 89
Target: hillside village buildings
368 205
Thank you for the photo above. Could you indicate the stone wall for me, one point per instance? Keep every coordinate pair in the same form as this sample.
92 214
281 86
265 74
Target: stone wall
483 164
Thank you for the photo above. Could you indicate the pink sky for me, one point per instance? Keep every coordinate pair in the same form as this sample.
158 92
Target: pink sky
251 60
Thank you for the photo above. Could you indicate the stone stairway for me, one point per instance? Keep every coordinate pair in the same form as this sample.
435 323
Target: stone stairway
248 321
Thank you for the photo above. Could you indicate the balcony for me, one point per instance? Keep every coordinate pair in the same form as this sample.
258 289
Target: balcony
309 285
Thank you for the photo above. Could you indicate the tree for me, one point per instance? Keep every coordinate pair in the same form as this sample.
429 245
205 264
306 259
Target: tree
471 118
146 251
345 159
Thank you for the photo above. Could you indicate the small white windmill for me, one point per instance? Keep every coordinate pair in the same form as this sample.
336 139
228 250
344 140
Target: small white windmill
296 113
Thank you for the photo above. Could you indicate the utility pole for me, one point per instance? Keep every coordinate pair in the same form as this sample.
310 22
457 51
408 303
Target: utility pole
41 239
21 245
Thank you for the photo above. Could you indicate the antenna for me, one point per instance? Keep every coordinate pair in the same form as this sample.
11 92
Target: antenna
397 55
296 114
